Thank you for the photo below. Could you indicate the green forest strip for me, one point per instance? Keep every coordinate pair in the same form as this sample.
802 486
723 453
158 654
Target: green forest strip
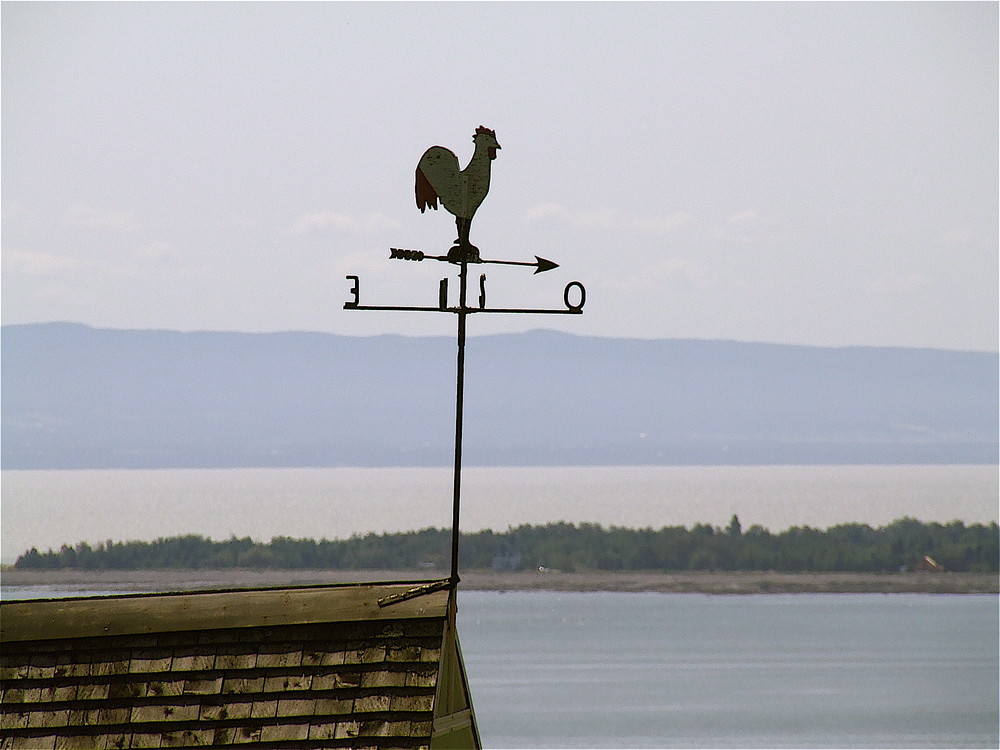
905 544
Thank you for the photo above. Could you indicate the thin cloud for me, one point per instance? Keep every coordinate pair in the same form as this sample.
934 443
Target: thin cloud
744 225
156 252
168 261
749 216
680 269
960 235
83 216
667 224
328 222
906 283
555 216
30 263
14 210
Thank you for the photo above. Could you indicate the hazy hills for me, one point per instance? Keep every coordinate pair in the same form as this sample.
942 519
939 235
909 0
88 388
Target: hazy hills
78 397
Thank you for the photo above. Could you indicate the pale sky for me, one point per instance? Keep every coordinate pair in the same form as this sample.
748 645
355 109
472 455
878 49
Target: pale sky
813 173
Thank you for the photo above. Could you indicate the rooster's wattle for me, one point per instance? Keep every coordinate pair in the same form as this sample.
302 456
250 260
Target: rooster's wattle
460 190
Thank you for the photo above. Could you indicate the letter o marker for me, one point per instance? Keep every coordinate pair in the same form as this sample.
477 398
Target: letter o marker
583 296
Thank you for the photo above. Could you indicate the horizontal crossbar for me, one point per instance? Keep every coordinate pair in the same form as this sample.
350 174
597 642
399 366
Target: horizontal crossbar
403 308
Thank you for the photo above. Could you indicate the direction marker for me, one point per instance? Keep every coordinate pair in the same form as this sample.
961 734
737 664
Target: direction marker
462 192
541 264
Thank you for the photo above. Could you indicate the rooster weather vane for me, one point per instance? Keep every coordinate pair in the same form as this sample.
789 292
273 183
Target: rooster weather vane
461 192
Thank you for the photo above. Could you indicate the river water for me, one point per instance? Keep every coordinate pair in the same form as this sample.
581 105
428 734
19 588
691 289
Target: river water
624 670
46 509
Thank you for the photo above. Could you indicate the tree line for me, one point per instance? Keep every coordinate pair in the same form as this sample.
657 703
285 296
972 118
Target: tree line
569 547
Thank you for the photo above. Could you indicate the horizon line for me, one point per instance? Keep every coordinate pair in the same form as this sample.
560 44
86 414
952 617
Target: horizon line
568 334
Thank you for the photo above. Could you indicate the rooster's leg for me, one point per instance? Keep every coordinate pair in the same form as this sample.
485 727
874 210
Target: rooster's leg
463 249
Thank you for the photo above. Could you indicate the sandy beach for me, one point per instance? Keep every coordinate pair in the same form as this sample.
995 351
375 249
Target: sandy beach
739 582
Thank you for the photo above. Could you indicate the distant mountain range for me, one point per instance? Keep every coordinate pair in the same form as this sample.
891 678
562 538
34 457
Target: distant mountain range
79 397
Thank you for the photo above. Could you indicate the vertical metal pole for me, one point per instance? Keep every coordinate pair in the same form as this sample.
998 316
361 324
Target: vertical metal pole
459 399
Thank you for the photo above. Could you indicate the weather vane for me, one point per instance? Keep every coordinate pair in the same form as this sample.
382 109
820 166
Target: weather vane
462 191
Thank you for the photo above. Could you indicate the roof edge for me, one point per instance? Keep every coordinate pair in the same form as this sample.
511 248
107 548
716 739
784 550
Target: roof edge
139 614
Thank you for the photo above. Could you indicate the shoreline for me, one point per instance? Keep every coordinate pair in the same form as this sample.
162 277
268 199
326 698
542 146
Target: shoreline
716 582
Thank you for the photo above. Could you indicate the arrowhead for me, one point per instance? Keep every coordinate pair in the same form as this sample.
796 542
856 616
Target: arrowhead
545 265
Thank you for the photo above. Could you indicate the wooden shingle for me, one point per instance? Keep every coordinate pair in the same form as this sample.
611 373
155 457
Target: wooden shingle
329 666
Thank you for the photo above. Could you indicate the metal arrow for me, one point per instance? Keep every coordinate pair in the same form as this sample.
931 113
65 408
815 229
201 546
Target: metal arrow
541 264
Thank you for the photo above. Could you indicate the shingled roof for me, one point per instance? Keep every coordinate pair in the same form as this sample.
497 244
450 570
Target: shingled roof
358 665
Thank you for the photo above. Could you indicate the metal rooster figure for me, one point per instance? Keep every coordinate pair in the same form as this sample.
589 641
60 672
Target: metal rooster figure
462 191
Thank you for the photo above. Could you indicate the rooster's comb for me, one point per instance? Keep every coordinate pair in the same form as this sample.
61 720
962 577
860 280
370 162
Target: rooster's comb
483 130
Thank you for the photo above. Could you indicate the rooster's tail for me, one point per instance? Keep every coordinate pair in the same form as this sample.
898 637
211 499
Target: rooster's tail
426 195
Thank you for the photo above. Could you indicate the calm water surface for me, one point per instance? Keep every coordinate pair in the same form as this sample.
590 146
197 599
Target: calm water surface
47 509
685 670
